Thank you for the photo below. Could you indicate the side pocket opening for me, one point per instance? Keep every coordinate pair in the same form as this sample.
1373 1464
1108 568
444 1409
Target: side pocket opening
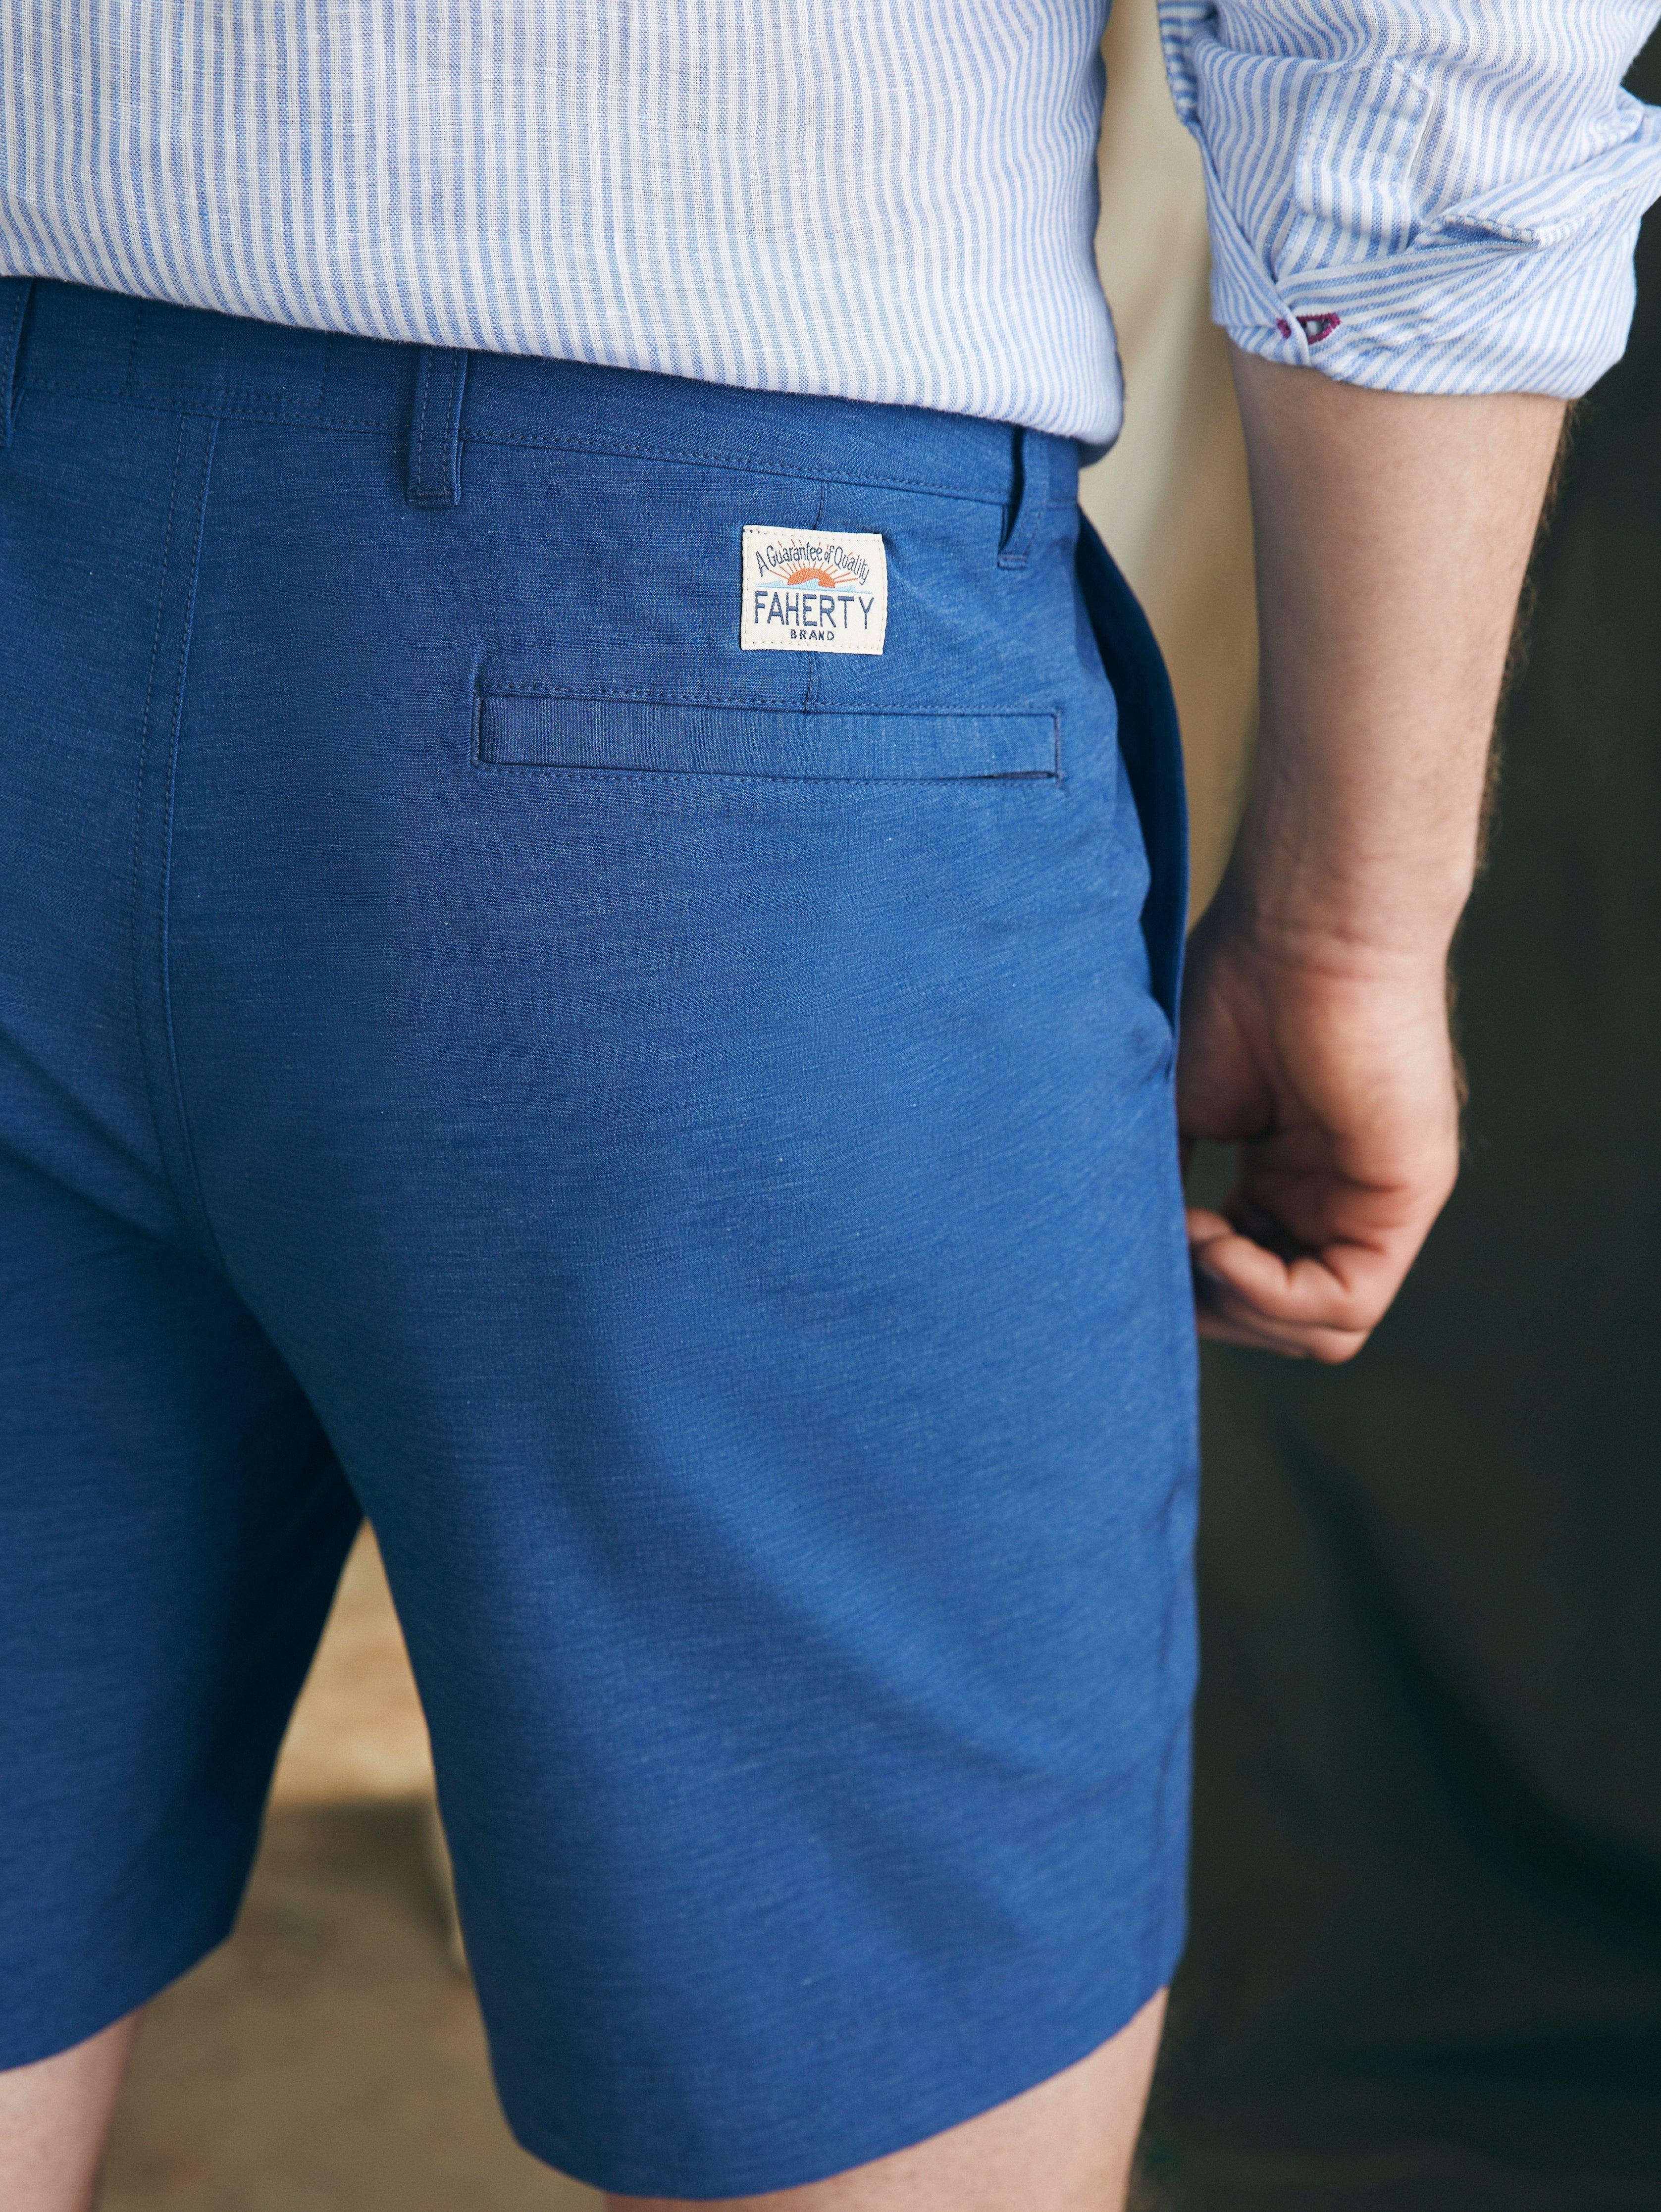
1151 747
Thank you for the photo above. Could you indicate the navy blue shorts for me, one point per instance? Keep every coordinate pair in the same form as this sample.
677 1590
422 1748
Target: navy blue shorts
676 1128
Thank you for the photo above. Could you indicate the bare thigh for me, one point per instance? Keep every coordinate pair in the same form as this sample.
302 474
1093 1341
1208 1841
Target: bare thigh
1064 2146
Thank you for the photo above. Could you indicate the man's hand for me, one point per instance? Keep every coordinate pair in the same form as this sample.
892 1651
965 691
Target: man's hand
1340 1082
1392 532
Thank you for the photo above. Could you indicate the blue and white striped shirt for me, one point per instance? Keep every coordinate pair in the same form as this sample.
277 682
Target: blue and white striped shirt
887 199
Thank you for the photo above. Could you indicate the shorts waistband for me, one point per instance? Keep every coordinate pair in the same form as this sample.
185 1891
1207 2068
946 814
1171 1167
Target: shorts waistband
147 353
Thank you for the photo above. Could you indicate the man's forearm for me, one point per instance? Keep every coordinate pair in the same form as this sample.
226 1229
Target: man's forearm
1392 531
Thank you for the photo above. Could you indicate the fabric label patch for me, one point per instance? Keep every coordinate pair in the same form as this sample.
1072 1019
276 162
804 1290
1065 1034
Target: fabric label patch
805 592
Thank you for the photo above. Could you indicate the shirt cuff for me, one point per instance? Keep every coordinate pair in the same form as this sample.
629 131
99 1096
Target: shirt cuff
1524 287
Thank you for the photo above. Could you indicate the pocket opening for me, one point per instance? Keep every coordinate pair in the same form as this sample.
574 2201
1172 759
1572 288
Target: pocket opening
525 727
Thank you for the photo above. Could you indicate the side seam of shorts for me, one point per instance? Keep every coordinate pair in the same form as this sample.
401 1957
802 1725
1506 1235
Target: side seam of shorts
1150 742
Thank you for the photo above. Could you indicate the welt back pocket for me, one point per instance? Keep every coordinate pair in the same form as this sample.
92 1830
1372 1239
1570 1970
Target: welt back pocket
529 728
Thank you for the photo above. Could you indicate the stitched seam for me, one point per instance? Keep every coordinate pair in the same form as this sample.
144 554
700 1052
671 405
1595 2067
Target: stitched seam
751 776
193 406
139 797
739 465
423 380
442 425
1031 509
745 464
452 428
771 706
1019 490
422 485
210 394
166 863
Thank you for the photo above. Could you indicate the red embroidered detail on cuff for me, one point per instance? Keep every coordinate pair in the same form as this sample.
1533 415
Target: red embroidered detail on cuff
1314 327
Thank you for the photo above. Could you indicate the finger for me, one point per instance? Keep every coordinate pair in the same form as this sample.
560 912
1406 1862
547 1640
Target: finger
1329 1347
1224 1316
1204 1224
1345 1285
1214 1329
1308 1295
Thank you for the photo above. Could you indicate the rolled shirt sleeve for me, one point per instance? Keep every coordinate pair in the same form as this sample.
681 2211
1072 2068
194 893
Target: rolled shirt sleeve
1422 195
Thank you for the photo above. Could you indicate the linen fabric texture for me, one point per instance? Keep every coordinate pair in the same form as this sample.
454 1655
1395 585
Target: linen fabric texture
688 1148
892 201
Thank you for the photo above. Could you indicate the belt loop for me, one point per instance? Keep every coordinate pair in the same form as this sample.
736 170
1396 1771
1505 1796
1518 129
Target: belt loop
433 476
1029 497
15 293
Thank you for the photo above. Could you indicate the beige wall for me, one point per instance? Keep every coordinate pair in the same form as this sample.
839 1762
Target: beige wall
1170 499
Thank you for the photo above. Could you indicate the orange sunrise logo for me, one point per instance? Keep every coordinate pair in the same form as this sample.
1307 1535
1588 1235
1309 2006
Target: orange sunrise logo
824 564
